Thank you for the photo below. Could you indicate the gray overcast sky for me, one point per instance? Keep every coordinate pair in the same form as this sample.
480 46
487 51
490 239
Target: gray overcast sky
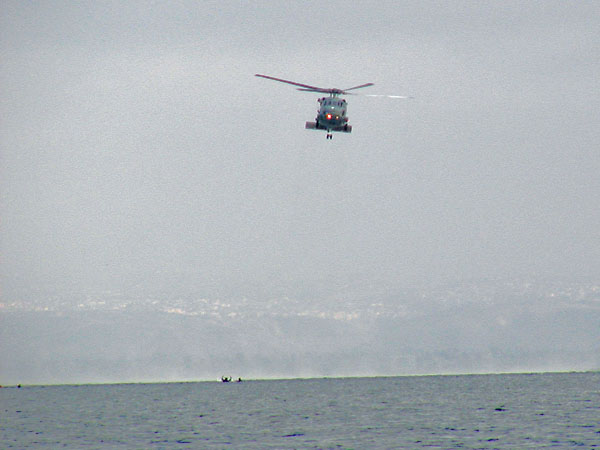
135 140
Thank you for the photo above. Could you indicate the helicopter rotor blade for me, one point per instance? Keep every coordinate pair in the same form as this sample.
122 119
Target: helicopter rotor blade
319 90
310 88
359 86
334 91
307 86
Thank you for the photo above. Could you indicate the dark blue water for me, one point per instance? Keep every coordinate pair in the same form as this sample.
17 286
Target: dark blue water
468 411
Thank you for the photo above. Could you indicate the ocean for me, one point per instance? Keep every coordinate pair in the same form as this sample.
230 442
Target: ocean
506 411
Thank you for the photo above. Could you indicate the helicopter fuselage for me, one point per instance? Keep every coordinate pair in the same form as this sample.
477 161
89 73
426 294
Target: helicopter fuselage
332 113
331 116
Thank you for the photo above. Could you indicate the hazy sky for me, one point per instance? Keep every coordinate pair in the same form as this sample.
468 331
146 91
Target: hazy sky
136 141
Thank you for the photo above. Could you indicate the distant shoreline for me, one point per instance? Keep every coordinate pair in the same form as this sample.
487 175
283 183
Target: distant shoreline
313 378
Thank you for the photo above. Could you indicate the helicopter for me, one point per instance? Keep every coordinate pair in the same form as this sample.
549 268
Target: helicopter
331 115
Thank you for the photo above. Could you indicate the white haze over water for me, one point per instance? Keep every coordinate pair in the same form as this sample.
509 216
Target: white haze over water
350 330
145 169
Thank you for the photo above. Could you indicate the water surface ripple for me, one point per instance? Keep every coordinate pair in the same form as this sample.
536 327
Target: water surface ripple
446 412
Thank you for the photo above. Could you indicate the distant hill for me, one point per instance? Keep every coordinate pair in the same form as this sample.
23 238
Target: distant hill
350 330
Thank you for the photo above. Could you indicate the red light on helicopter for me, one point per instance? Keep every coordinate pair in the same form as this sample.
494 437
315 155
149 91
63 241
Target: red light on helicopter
328 116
